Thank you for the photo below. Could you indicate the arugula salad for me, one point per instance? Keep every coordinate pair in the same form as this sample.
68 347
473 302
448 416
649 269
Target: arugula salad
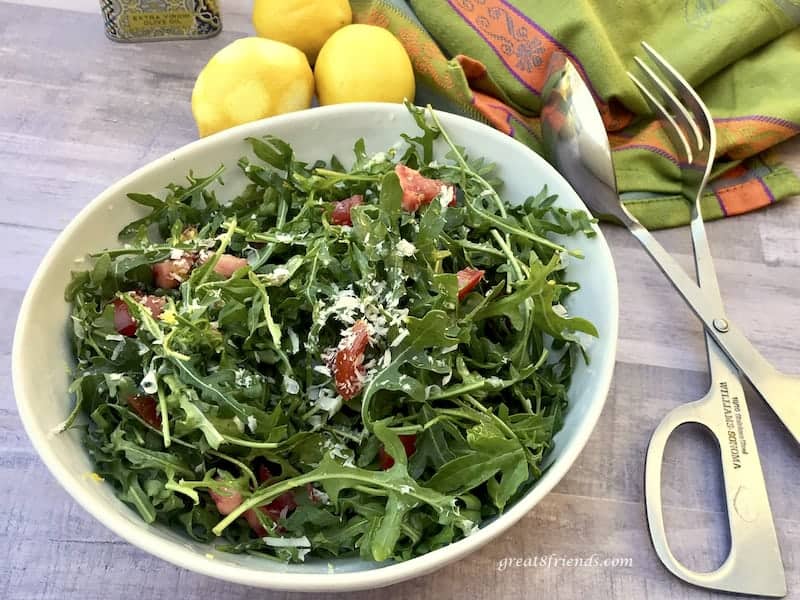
368 361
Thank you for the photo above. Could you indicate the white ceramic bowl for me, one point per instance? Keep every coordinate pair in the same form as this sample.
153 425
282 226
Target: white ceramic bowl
41 349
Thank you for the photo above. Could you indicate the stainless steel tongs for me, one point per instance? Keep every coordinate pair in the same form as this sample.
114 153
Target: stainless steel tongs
577 143
753 565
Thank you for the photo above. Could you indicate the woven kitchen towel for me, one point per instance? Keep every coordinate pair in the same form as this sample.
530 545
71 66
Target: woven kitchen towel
487 59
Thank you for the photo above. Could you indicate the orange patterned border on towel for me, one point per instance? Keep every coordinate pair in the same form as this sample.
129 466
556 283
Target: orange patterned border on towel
525 49
737 137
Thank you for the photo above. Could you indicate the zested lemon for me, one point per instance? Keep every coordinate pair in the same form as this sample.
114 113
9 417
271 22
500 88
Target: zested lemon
363 63
304 24
250 79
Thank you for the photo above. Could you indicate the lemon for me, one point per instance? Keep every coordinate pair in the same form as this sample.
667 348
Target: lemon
363 63
250 79
304 24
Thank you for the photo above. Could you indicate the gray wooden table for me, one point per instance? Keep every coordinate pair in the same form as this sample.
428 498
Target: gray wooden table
77 112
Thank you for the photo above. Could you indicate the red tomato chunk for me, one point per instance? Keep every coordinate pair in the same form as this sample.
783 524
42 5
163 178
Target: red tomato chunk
348 369
467 280
124 322
418 189
145 407
409 445
341 210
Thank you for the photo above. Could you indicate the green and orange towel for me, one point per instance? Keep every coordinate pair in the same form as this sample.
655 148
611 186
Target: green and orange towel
487 59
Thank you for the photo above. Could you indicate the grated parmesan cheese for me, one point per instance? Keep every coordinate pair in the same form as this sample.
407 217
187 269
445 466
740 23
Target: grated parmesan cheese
242 378
323 370
400 337
387 359
294 341
252 423
149 383
446 196
284 542
328 401
278 277
405 248
239 425
290 385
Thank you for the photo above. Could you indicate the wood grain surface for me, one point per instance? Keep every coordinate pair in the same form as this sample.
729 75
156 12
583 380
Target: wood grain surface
77 112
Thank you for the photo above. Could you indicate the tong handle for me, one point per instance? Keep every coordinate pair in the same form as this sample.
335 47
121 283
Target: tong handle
753 564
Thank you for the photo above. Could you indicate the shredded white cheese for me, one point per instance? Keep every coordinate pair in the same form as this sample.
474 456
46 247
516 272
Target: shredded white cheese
445 196
278 277
290 385
328 401
405 248
320 496
294 341
376 158
149 383
323 370
400 337
242 378
284 542
494 381
252 423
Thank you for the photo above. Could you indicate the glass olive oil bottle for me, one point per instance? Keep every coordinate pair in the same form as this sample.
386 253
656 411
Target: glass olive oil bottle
151 20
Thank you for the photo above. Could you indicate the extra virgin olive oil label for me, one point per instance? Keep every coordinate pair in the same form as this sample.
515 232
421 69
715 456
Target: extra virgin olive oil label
149 20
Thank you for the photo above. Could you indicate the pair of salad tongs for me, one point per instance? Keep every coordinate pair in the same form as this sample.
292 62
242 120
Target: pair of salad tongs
577 143
754 564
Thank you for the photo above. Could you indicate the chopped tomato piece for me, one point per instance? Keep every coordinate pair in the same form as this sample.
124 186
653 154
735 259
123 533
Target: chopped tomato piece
280 507
313 494
263 474
341 210
155 304
169 274
145 407
227 500
418 189
124 322
228 264
348 367
409 445
255 524
467 280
